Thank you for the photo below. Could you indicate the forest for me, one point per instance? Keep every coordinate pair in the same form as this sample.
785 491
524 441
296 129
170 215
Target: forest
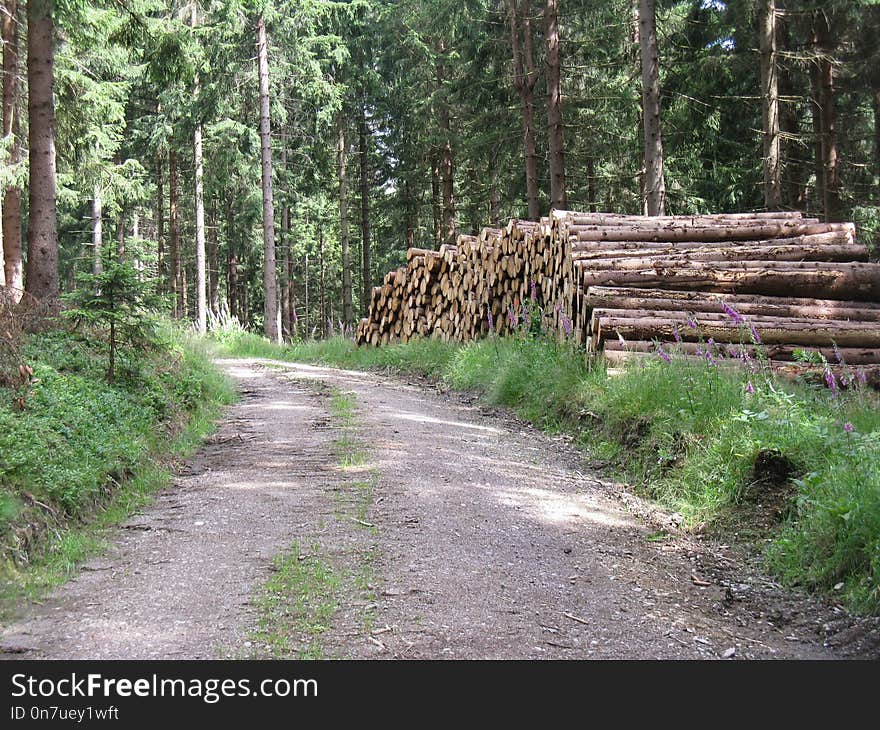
221 147
580 296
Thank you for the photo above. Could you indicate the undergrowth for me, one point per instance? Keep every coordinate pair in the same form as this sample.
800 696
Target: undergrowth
78 453
719 445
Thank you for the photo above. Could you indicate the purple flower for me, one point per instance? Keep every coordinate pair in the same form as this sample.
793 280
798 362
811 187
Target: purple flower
830 381
567 326
848 427
838 355
756 338
676 334
512 317
663 354
710 359
490 318
711 342
692 323
732 313
860 374
749 387
534 293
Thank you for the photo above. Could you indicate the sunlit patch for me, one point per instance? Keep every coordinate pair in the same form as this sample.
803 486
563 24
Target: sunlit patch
421 418
560 508
281 406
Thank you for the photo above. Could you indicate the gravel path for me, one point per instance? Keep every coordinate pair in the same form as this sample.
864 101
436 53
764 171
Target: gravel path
481 538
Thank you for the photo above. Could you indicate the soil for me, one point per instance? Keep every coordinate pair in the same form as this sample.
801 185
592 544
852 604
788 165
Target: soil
481 537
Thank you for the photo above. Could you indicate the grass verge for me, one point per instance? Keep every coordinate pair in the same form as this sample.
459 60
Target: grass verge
83 454
794 467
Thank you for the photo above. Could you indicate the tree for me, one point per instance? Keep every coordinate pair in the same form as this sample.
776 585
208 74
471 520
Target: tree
341 161
201 284
525 76
42 264
271 312
770 105
655 185
558 197
11 222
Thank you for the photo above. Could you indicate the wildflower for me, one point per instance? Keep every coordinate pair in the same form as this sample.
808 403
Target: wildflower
848 427
567 326
756 338
860 374
838 355
534 292
830 381
663 354
711 359
676 334
512 317
750 388
692 323
711 342
732 313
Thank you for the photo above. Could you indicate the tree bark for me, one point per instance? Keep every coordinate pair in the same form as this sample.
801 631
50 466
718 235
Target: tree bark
655 185
826 45
770 106
322 283
176 278
791 164
875 97
13 270
341 156
231 262
436 205
97 232
525 76
271 312
366 267
214 261
558 198
42 265
410 217
120 233
201 278
447 166
161 264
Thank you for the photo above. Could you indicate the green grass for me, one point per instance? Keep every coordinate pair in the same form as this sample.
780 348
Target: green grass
688 435
296 605
83 454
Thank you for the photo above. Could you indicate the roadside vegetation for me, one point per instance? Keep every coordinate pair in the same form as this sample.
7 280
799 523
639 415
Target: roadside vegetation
793 467
82 446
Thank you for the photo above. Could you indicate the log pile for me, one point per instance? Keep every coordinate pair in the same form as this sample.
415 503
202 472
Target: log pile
621 284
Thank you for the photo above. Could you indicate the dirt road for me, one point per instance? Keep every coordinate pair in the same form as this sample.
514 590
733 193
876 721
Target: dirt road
456 533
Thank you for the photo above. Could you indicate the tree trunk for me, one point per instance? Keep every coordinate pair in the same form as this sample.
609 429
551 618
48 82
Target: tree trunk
13 270
591 183
525 75
366 278
558 198
271 312
42 264
214 261
161 264
770 105
174 234
231 262
322 283
876 103
307 313
436 205
825 45
792 170
290 295
655 185
341 155
97 232
120 234
447 168
201 268
410 218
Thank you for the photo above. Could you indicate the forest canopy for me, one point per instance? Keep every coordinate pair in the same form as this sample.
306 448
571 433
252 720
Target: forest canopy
258 157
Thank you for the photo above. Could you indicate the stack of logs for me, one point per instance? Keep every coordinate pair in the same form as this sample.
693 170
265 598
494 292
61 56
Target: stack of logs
627 284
